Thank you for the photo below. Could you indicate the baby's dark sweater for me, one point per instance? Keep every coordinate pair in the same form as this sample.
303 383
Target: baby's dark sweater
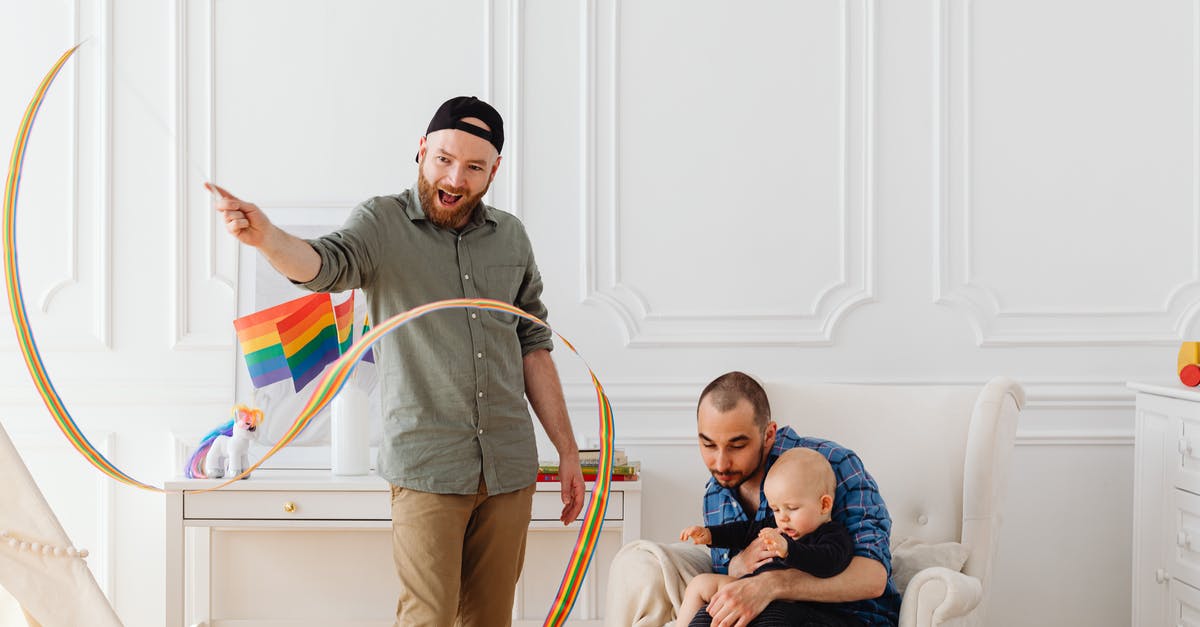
825 552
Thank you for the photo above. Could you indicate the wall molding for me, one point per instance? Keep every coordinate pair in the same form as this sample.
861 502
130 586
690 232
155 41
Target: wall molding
1075 437
676 398
90 190
514 121
120 393
195 130
955 285
1024 438
99 27
510 65
601 277
1040 393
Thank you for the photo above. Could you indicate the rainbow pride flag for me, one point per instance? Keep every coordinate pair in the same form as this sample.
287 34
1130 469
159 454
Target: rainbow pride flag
259 339
370 354
309 338
344 313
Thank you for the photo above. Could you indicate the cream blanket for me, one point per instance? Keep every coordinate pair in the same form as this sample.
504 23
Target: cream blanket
647 580
55 591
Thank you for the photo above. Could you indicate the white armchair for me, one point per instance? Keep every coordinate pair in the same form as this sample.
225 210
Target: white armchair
941 457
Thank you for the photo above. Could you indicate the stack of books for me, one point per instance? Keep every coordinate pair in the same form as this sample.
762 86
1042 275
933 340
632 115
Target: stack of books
589 463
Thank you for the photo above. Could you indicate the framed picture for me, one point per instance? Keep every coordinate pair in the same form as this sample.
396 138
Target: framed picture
260 286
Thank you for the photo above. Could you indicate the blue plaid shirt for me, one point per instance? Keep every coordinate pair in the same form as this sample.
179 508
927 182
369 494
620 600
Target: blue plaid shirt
857 505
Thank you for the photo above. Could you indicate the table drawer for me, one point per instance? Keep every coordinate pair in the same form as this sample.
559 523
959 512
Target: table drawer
1185 471
1184 605
1184 552
548 505
287 505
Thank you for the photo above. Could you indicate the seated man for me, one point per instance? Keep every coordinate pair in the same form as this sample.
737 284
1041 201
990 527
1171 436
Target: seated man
739 444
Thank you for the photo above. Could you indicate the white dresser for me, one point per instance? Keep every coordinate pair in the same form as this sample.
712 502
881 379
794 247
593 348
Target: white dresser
1166 513
306 549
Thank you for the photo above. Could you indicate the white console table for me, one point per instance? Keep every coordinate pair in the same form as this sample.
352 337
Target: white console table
304 548
1166 510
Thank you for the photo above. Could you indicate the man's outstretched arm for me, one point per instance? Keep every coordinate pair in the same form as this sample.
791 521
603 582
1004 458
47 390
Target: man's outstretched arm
293 257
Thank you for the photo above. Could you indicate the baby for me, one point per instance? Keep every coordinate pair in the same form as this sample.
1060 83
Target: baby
799 488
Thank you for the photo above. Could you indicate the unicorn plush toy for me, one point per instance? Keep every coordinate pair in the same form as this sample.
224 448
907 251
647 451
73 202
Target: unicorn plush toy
226 456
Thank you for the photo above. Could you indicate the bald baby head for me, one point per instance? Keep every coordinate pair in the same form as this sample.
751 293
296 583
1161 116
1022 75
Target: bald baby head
804 469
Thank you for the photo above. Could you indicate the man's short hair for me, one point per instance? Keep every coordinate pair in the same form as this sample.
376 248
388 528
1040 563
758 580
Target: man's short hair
728 389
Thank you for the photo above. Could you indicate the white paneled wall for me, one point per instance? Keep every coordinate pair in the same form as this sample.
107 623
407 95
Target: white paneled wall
923 191
646 100
1084 152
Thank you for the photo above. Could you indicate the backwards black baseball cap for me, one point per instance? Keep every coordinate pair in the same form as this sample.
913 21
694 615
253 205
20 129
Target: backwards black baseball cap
452 112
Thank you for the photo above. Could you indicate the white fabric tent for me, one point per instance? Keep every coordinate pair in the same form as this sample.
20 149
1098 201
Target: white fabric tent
53 589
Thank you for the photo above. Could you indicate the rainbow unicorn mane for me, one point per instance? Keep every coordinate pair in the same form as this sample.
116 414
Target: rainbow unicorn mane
195 464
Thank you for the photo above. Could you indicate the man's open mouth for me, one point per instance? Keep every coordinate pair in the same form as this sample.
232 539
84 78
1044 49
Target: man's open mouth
448 199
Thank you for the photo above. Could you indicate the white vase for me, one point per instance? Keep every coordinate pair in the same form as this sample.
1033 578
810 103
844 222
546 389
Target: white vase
348 446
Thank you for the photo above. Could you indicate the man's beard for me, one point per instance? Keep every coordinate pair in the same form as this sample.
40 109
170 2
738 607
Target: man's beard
441 216
737 483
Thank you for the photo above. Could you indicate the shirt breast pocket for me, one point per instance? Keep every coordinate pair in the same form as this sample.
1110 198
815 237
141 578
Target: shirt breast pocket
503 284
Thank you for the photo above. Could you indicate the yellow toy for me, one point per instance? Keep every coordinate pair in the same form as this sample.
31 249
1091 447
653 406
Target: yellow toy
1189 364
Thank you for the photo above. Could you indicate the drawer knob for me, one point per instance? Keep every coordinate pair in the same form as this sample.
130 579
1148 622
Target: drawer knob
289 507
1182 539
1161 576
1185 446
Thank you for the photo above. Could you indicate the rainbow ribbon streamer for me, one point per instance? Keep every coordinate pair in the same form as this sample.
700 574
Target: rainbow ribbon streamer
329 384
370 354
16 302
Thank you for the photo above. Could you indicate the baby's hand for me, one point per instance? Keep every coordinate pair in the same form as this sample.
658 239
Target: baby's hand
773 541
698 535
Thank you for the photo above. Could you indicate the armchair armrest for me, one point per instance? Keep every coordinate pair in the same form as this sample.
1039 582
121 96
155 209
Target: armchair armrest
936 595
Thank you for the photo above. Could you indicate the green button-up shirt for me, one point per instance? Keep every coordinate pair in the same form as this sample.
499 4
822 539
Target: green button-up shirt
452 382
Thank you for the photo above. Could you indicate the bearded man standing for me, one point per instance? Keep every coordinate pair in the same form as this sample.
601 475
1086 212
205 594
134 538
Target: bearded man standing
459 446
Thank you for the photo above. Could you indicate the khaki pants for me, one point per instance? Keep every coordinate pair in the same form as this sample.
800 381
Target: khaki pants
458 555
